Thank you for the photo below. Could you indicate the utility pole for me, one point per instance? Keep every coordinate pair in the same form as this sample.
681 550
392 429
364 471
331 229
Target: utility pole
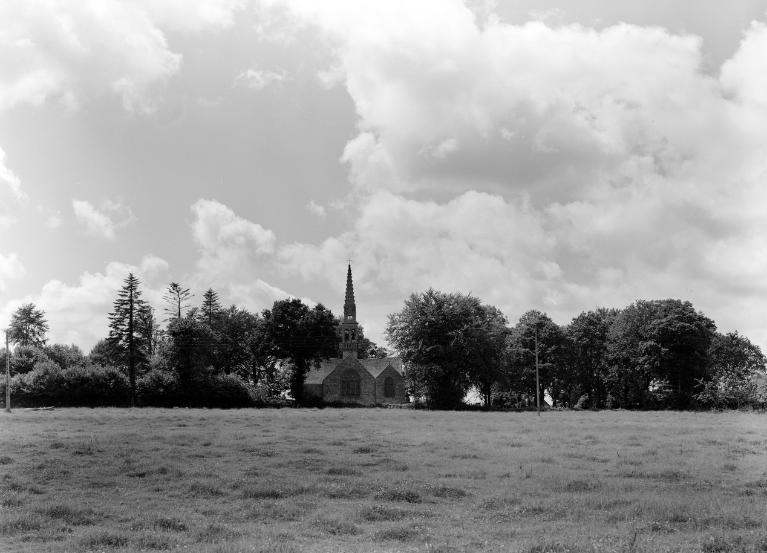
537 378
7 375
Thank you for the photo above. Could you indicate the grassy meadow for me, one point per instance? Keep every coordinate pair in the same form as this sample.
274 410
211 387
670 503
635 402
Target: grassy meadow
118 480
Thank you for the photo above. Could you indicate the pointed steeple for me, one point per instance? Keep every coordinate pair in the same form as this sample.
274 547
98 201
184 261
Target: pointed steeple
350 309
349 328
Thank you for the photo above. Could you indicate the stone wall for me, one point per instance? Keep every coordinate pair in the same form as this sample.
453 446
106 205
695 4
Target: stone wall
400 394
331 387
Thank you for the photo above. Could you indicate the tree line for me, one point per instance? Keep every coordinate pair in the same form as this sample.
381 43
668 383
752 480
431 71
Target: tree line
204 355
651 354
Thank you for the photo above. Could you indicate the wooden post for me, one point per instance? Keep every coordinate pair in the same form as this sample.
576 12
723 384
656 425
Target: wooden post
7 375
537 378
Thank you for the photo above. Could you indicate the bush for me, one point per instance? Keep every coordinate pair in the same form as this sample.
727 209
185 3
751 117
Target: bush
24 359
229 390
86 386
159 388
94 385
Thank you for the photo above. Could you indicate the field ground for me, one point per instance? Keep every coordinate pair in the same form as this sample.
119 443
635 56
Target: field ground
381 480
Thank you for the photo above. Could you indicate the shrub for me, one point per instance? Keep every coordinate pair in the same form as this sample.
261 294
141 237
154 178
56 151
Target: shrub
159 388
25 358
89 386
94 385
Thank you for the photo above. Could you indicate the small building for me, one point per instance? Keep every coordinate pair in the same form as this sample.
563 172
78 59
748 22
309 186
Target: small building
351 380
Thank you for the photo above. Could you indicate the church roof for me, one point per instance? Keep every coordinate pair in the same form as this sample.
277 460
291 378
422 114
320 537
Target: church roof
377 366
374 366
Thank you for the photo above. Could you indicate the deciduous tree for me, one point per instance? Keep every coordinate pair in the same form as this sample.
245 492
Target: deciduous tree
299 335
28 326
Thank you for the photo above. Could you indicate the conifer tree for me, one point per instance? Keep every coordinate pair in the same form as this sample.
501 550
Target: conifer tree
147 328
177 299
124 328
210 306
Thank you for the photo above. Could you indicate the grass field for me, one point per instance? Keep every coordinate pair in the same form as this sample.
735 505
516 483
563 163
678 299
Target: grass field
381 480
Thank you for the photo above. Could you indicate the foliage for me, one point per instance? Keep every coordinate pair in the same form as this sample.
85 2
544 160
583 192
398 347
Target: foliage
733 365
210 307
65 356
177 297
125 332
24 359
90 385
191 349
534 328
28 326
443 338
159 388
657 351
587 340
106 352
299 335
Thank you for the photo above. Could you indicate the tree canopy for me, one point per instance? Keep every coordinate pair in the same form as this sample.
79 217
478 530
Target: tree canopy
29 326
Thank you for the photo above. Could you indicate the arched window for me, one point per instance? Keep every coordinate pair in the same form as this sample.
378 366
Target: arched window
350 384
389 387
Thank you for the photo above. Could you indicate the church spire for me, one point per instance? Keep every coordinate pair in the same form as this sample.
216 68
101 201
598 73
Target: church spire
349 328
350 309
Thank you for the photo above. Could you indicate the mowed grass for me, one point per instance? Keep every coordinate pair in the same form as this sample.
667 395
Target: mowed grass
117 480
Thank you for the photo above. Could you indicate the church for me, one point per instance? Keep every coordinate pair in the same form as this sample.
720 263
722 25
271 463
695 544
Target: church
352 380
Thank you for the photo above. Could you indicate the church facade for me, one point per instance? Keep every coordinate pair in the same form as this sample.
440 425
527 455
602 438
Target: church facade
351 380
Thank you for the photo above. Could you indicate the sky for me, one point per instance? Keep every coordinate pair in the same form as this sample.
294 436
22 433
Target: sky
559 155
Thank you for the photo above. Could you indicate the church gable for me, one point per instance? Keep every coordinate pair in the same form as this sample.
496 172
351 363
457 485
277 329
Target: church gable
390 386
349 382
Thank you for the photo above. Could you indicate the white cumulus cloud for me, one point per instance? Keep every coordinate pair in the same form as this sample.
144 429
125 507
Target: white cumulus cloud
102 221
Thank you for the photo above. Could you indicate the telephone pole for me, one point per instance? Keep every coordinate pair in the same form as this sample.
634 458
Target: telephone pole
537 378
7 375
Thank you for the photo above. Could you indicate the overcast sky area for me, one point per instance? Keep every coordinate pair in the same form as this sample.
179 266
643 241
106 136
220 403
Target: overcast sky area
558 155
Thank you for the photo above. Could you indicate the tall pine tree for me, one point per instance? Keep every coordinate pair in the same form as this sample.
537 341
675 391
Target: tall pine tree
210 307
125 330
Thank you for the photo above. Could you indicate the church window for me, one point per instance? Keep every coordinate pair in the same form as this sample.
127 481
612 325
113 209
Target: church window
350 384
389 387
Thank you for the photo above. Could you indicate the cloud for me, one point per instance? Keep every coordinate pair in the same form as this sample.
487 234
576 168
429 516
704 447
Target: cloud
78 313
67 52
257 79
10 268
575 167
316 209
231 255
10 179
104 220
192 15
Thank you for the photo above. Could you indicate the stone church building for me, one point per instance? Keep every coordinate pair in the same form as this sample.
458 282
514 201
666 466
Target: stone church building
353 380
